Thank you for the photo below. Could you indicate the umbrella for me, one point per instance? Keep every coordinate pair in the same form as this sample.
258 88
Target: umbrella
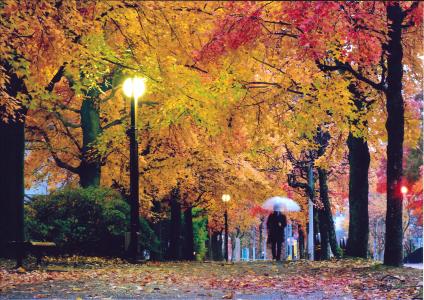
283 204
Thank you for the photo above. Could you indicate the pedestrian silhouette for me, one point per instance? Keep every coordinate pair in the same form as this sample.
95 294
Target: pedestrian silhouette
301 242
276 223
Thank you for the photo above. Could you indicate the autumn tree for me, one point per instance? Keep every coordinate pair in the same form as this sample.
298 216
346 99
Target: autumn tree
73 130
32 62
348 52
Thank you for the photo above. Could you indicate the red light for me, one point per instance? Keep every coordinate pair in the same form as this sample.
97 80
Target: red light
403 189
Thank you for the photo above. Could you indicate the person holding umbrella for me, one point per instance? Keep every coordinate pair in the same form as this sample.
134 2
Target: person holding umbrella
301 241
276 223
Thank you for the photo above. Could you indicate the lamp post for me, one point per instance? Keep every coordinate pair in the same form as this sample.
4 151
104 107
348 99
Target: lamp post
134 88
404 191
225 199
311 246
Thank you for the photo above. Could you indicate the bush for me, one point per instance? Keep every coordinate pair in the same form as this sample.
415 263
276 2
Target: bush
149 240
81 221
200 233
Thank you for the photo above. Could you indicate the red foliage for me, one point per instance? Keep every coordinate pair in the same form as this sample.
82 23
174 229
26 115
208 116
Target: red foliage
415 198
233 31
356 39
355 29
415 106
258 211
382 177
289 190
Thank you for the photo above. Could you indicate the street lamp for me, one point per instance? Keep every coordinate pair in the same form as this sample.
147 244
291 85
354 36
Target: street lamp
404 190
225 199
134 88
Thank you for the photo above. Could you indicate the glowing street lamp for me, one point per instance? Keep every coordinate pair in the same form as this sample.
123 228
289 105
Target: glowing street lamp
225 199
404 190
134 88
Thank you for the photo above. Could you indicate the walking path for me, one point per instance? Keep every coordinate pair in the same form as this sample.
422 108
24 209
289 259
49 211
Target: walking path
414 266
115 279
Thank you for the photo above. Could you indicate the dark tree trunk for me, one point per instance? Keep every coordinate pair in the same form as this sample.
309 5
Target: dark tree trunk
217 246
210 256
175 230
12 151
395 134
328 232
188 234
359 162
327 215
323 230
89 169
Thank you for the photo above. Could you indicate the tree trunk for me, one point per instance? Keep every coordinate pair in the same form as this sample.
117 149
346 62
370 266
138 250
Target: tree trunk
175 230
217 246
328 232
359 162
210 257
12 154
12 149
395 133
188 234
89 169
323 230
261 239
327 215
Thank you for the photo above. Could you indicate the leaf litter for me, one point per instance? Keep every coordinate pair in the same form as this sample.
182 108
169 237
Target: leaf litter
99 277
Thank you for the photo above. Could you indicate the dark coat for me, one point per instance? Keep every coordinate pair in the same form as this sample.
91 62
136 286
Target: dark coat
301 236
275 224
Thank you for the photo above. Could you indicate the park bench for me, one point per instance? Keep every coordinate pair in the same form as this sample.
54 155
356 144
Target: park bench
38 249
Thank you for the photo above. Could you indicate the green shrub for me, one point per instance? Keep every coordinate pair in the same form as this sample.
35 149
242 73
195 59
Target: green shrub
200 233
149 240
82 221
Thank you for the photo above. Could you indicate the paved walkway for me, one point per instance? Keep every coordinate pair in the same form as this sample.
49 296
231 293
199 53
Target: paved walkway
414 266
90 278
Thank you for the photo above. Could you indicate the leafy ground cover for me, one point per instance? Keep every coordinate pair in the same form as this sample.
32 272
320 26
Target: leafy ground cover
81 277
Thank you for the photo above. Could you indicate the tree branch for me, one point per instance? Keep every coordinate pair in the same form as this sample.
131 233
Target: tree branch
59 162
407 11
197 202
62 106
65 122
195 68
348 68
56 78
114 123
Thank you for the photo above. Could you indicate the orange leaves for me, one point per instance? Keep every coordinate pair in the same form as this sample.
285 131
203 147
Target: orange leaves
336 278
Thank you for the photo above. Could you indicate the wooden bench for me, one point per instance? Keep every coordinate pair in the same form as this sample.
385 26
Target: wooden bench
37 248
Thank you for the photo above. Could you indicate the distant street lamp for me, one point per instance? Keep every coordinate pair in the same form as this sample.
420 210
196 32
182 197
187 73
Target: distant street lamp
404 190
134 88
225 199
311 242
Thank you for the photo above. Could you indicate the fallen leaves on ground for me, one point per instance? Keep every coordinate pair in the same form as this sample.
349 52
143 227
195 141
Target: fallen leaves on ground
336 278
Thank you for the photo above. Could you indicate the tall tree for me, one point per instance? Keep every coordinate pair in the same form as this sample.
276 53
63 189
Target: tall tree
359 162
30 67
384 49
